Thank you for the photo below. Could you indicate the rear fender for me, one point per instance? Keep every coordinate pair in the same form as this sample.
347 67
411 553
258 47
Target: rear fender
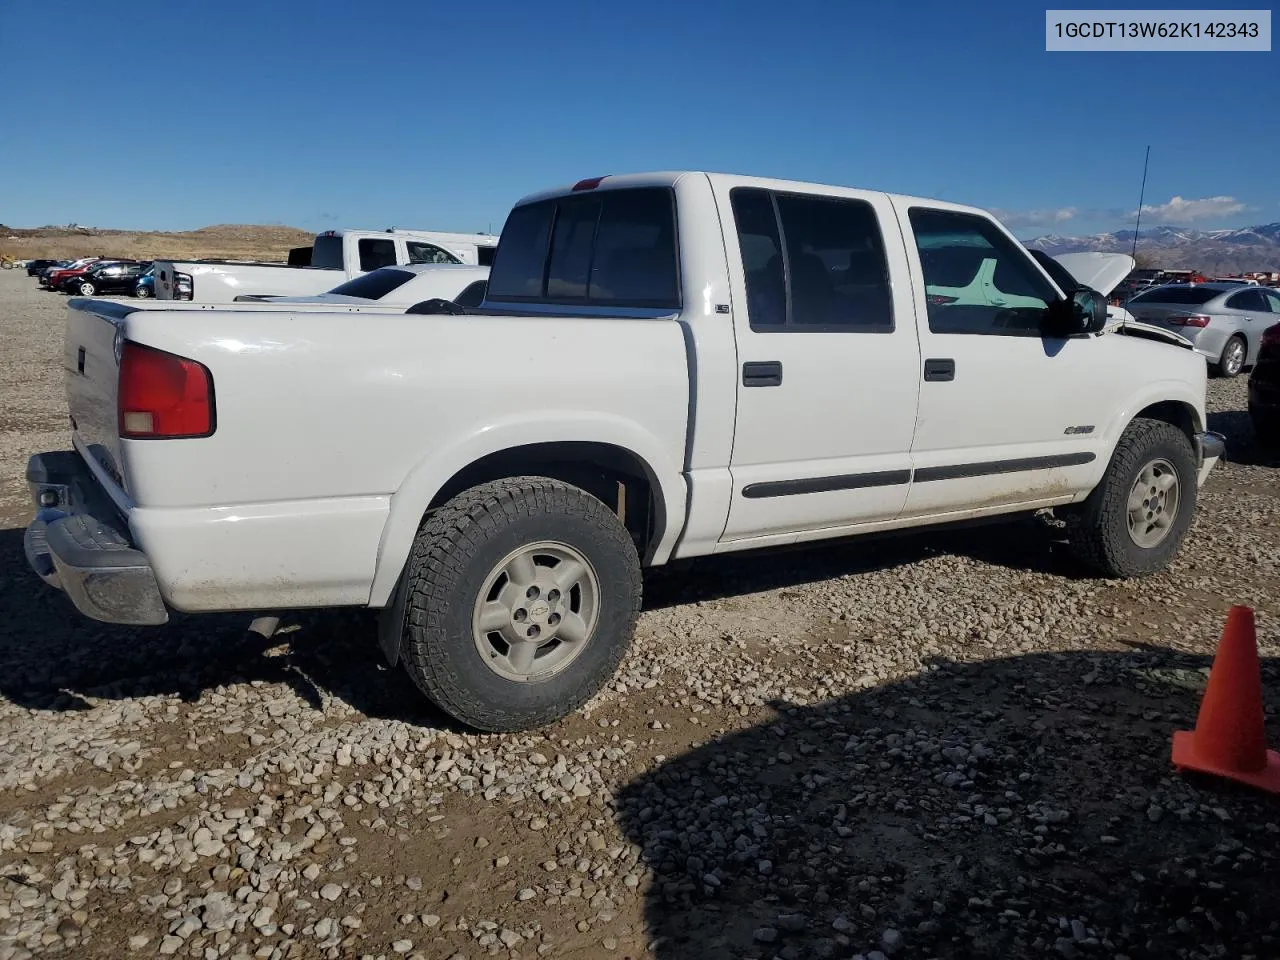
410 501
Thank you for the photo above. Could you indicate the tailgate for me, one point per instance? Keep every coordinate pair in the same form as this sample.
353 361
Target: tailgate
92 363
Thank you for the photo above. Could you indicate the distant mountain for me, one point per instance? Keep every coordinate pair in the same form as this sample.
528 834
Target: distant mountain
1211 251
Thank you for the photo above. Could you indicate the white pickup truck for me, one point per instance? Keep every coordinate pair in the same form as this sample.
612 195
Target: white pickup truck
334 256
664 366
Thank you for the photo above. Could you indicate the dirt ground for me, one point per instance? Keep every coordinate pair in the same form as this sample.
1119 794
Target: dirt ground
942 745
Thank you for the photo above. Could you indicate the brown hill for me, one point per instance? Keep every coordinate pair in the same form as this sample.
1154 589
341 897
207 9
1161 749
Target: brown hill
229 240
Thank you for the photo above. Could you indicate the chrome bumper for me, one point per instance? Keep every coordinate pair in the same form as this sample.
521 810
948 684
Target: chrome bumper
78 543
1210 447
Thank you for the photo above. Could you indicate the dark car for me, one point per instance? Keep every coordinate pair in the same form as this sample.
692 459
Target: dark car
35 266
1264 389
109 276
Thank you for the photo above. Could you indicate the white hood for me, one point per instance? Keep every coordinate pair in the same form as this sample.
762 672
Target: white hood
1102 271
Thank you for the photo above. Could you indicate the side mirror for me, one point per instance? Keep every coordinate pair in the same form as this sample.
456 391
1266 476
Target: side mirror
1084 311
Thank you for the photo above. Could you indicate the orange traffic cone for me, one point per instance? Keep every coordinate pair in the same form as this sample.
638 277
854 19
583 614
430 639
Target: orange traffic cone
1230 738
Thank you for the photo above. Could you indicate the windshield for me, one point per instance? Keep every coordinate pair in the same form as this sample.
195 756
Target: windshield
1178 294
375 285
1061 276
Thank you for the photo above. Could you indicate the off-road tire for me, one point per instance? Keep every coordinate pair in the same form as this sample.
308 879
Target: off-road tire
1098 529
455 550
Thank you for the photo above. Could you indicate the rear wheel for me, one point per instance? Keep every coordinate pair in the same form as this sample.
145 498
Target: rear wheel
522 596
1233 356
1134 521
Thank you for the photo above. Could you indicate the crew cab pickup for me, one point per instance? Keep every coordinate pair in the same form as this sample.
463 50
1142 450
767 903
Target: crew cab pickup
663 366
334 257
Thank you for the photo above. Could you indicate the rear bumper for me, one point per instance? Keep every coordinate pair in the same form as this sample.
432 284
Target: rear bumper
1210 447
78 543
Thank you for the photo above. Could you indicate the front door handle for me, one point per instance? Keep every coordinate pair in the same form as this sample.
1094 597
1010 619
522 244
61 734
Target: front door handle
762 373
939 369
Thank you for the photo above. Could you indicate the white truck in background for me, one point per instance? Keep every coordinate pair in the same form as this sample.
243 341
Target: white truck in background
334 257
664 366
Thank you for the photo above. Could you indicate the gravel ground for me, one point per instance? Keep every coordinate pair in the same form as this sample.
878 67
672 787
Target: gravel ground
944 745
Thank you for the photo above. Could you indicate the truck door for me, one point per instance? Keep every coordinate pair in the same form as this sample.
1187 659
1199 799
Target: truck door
1007 415
827 383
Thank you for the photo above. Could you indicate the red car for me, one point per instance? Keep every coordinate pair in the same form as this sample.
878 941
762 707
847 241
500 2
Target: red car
78 267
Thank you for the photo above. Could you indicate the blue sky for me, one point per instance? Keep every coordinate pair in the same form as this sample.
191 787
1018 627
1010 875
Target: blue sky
423 115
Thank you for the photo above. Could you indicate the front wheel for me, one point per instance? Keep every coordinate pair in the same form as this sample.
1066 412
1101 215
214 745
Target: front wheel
1231 362
87 289
142 292
1134 521
522 597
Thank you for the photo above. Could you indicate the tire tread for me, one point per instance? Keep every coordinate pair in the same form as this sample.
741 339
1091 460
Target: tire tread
1098 531
435 574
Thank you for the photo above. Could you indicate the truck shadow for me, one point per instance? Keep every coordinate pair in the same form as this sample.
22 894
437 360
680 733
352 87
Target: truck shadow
53 658
1242 442
1019 544
1005 808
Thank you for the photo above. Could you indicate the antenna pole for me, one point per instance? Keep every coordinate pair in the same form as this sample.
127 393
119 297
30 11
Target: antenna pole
1141 196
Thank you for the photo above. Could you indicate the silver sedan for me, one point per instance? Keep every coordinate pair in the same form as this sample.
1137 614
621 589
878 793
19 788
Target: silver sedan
1225 321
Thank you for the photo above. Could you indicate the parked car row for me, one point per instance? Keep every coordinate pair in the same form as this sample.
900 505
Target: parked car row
1225 321
94 276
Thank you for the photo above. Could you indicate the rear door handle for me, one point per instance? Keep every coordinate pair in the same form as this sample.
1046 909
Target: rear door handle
762 373
938 369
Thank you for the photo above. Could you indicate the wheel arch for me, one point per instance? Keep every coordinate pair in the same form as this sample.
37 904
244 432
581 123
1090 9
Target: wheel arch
631 475
1176 413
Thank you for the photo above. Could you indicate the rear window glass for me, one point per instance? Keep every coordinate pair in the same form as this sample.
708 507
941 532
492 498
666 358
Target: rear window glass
521 253
1177 294
375 285
327 252
612 248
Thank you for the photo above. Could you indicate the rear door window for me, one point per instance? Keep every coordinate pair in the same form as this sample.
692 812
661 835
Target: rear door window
1247 300
420 252
376 252
829 274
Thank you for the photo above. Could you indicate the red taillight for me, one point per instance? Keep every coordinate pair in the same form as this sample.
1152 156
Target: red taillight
162 395
589 184
1189 320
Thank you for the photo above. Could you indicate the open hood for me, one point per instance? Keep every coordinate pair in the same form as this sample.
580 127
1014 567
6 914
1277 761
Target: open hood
1102 271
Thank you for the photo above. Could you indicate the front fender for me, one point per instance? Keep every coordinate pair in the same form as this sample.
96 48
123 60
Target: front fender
1150 394
444 461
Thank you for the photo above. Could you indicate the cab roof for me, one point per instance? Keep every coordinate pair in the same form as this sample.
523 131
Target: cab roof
670 178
